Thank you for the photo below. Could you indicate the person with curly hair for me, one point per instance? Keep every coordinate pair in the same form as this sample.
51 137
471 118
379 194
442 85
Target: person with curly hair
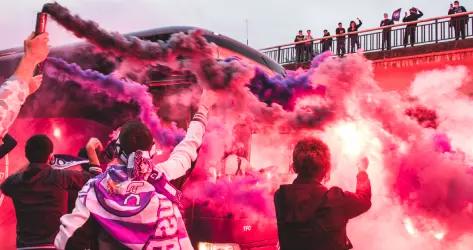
311 216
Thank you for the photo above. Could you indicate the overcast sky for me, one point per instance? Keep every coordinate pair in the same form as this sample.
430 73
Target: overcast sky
271 22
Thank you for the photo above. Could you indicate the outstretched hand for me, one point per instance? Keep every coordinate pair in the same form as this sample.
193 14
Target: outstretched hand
208 98
36 51
36 48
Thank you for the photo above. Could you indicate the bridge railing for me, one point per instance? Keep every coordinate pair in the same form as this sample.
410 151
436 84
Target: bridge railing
427 31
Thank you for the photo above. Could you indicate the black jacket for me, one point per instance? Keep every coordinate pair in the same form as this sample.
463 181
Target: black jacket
299 38
413 17
340 31
8 145
463 18
386 22
39 194
312 217
355 29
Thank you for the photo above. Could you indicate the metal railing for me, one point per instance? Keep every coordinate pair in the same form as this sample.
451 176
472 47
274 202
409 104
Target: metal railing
427 31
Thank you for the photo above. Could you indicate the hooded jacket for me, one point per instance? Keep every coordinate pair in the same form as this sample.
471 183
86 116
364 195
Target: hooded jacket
117 212
39 194
313 217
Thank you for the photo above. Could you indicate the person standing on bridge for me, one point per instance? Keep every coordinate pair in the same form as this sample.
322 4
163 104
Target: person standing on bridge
458 22
354 37
326 42
299 47
414 15
340 31
386 32
309 46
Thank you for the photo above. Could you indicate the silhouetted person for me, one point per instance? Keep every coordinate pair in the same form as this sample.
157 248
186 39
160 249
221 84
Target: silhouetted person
354 39
309 45
341 50
386 32
299 47
39 194
459 22
326 42
311 216
414 15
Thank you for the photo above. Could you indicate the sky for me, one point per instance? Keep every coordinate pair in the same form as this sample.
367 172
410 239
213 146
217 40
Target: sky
270 22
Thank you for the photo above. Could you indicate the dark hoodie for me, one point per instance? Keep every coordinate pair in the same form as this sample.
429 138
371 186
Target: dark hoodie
312 217
39 194
413 16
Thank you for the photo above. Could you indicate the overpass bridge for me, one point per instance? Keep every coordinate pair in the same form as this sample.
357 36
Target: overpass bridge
435 48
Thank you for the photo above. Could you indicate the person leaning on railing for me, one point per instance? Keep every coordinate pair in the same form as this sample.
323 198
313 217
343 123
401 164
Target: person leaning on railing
458 22
414 15
309 46
326 42
341 50
299 47
386 32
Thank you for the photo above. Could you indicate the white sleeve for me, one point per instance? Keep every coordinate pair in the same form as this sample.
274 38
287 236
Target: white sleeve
13 94
70 223
185 152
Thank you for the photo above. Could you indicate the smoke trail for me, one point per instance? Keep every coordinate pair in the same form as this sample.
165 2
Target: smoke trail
123 91
285 90
127 46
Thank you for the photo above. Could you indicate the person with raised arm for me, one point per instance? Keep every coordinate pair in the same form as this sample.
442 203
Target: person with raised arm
15 90
133 205
414 15
354 38
459 22
311 216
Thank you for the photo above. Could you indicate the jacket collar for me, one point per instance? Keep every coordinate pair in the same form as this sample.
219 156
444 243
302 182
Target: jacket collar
39 165
301 180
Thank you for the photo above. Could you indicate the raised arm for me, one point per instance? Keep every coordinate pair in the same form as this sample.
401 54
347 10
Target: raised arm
16 89
420 14
360 201
359 24
9 143
185 152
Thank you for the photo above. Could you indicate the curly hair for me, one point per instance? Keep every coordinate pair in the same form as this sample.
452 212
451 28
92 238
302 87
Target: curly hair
311 158
134 135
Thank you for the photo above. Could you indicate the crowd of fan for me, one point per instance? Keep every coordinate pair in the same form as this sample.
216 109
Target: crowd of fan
305 43
122 200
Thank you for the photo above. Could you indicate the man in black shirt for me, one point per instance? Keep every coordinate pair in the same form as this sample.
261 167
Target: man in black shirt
341 50
386 32
326 42
299 47
414 15
39 194
458 22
